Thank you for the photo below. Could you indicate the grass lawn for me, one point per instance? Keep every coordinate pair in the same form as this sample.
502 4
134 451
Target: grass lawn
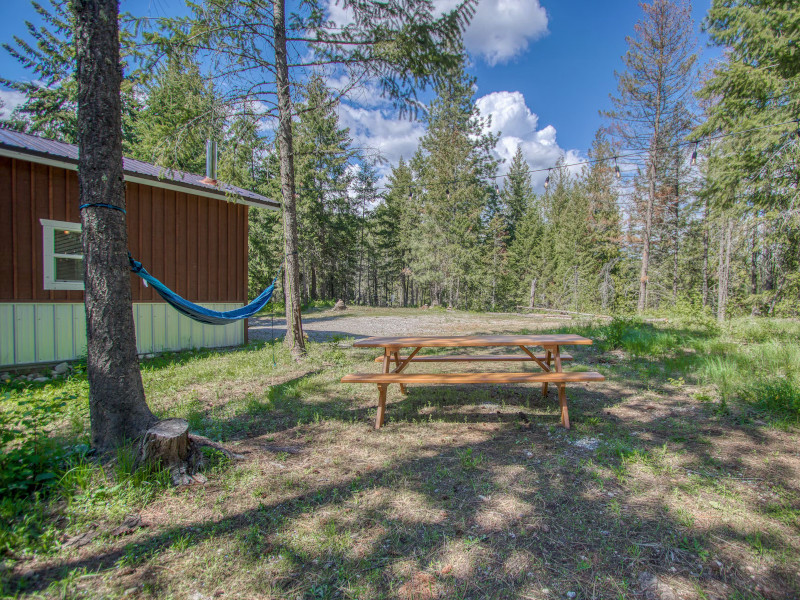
681 475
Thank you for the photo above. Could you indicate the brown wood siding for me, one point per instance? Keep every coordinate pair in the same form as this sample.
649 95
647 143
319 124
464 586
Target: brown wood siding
182 239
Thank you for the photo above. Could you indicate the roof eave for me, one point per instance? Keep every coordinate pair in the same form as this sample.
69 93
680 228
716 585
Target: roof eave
135 177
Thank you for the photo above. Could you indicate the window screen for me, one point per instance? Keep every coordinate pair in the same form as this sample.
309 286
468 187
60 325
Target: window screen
62 255
67 252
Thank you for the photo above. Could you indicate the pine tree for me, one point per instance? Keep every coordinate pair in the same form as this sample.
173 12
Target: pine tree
366 196
117 406
400 219
565 263
51 96
265 231
181 111
326 215
604 233
756 87
525 257
401 45
454 166
649 112
517 193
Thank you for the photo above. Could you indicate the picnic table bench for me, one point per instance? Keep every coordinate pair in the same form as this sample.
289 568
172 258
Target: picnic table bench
550 362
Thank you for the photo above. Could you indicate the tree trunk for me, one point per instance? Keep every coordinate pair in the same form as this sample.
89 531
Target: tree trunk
117 405
676 242
754 266
304 284
294 324
648 226
705 256
533 293
314 295
167 444
575 288
724 267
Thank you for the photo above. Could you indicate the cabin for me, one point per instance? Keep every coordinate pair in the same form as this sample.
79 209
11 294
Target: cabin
189 234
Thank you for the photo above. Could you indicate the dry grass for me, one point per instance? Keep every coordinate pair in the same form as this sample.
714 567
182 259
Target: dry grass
468 492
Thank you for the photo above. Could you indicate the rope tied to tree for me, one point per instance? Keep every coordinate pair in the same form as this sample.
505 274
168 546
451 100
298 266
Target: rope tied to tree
102 205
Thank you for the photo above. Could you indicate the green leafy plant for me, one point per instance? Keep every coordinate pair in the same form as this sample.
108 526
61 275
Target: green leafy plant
30 457
469 459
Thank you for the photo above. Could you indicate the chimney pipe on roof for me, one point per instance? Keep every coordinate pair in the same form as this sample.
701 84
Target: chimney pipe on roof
211 163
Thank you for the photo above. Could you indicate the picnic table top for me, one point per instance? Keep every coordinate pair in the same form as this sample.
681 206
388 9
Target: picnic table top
471 341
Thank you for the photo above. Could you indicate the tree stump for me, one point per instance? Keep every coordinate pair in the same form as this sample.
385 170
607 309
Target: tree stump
340 305
167 444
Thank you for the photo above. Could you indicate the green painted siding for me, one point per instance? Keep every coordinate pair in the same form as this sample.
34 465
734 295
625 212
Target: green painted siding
50 332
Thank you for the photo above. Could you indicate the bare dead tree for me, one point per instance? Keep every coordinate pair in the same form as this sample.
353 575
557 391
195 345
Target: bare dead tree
653 93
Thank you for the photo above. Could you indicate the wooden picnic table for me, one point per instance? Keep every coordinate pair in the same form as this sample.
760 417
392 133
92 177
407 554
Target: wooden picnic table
550 363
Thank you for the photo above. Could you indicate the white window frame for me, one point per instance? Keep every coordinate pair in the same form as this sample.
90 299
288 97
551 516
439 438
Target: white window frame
49 255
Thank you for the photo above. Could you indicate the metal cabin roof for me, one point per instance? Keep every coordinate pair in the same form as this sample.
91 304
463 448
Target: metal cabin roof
38 149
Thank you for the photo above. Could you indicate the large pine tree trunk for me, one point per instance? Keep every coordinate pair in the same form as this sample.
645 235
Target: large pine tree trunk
294 325
117 405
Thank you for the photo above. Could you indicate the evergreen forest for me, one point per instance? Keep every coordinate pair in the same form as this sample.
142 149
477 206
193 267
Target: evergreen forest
686 199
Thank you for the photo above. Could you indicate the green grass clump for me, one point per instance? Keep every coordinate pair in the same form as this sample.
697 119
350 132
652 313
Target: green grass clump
752 360
778 395
31 458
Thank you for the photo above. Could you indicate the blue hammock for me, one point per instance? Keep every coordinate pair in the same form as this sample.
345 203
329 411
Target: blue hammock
197 312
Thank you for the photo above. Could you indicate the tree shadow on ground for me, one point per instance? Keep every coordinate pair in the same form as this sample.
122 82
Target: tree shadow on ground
516 513
513 510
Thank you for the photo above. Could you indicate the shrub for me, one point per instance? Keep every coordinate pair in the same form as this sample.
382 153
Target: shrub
614 333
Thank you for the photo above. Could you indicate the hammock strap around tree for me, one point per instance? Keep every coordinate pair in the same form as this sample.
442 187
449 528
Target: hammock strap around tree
197 312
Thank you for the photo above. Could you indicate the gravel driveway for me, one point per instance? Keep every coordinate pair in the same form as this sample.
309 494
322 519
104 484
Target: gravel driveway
354 323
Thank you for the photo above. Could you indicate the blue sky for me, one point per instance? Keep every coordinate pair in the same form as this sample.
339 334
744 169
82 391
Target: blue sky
544 69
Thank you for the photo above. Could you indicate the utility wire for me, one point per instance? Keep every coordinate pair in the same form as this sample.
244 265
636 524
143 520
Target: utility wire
495 178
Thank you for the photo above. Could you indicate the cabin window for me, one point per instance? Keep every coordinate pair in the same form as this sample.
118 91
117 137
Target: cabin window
63 255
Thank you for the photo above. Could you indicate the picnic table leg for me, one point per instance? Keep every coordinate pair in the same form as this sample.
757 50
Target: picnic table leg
562 391
381 405
544 385
397 362
382 387
562 400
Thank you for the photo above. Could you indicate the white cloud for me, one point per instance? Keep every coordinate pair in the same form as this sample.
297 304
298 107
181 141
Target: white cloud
502 29
380 133
11 99
499 31
518 128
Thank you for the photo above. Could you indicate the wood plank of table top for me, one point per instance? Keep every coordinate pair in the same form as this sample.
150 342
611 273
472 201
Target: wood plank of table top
486 378
474 341
475 358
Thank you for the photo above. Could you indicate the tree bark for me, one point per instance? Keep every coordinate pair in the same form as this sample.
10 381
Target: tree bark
705 256
167 444
754 266
648 227
294 324
676 249
533 293
724 267
117 406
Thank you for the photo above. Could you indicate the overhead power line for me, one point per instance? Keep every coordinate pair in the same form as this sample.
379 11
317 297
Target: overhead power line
692 161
